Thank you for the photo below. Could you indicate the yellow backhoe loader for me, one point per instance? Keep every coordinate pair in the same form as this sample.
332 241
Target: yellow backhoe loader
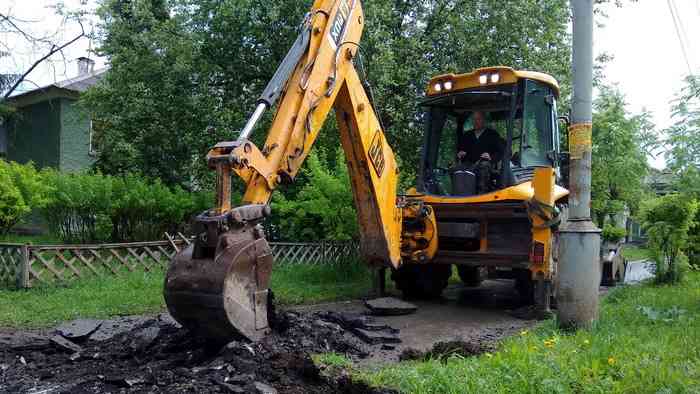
494 215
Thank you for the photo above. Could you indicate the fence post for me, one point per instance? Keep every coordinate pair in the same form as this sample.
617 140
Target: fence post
23 268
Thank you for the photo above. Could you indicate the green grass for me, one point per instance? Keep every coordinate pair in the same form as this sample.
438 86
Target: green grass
45 239
141 293
333 360
647 341
130 294
312 284
635 253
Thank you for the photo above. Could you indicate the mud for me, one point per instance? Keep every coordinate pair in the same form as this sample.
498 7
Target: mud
158 356
155 355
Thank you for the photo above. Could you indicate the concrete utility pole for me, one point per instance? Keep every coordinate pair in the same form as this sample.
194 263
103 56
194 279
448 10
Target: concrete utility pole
579 260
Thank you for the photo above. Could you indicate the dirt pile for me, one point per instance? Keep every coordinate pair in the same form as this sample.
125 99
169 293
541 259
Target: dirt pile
155 355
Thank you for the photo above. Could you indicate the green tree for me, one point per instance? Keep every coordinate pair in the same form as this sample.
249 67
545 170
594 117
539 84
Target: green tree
684 136
185 72
621 144
683 154
667 221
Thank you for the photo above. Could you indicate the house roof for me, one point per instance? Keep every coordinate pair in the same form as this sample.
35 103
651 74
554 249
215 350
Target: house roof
69 88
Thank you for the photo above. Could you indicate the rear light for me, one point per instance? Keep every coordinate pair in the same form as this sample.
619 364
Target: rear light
537 253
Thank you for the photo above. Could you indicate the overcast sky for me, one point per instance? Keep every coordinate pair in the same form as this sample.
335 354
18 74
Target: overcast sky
648 60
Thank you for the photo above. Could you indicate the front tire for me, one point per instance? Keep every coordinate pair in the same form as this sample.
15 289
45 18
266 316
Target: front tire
422 281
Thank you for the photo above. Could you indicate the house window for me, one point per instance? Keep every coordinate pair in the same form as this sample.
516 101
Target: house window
96 128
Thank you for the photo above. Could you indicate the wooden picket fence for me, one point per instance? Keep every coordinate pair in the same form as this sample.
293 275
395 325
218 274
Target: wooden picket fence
26 266
11 257
314 253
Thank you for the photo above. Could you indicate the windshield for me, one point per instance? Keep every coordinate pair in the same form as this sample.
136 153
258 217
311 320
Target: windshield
536 130
494 137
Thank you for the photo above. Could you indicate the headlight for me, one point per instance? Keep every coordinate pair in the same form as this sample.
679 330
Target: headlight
495 78
449 85
438 87
484 79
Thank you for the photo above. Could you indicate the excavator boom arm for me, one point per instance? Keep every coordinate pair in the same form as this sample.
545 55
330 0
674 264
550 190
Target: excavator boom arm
218 287
323 79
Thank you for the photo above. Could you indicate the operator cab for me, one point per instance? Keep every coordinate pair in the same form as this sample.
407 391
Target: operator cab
511 116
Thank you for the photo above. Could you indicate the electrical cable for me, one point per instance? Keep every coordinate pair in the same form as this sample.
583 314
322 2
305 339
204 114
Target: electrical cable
680 37
680 22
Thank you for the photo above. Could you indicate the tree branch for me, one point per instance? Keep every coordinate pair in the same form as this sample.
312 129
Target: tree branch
19 30
54 50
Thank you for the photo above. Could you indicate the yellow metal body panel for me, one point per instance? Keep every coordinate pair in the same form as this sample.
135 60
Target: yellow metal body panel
507 76
544 188
523 192
373 174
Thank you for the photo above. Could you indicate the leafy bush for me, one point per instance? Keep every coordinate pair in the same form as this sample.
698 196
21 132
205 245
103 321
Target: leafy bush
613 233
323 209
693 250
667 221
86 208
12 205
21 190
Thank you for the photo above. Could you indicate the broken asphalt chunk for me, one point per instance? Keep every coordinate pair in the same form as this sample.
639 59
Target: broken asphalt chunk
229 388
262 388
110 329
65 344
364 327
374 337
390 306
24 342
123 381
78 330
144 338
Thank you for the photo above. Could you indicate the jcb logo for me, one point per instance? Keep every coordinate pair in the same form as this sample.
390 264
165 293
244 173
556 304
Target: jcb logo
340 23
376 153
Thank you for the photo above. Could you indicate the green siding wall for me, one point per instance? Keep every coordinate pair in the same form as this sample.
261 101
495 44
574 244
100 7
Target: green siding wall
75 137
3 140
35 134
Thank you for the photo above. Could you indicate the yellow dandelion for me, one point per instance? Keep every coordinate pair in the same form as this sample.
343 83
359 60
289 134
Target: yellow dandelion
611 360
549 344
523 333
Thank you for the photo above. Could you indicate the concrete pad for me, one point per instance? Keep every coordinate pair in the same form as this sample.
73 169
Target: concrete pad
478 315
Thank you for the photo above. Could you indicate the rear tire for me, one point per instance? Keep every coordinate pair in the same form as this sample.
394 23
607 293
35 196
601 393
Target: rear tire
422 281
472 276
